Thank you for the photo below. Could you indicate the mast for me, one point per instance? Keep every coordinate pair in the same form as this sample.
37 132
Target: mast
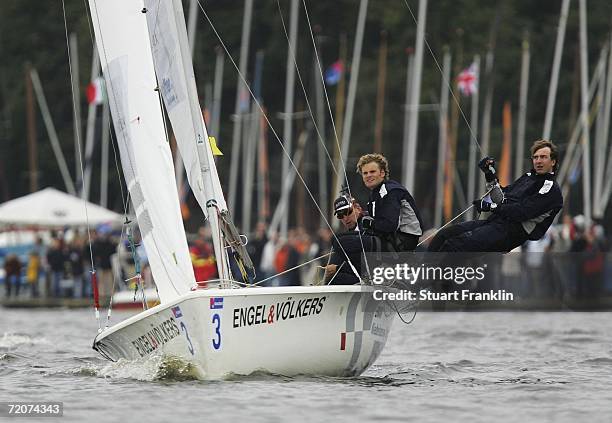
602 139
352 92
263 181
605 190
104 158
174 70
192 25
471 194
489 72
217 86
506 153
415 95
586 155
240 89
577 128
179 168
409 72
31 125
442 136
279 212
91 126
520 136
288 114
320 118
552 89
338 176
250 148
380 97
53 138
74 59
212 205
453 135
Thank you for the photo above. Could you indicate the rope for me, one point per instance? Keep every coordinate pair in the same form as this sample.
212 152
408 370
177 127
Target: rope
80 158
472 136
316 127
290 270
316 53
259 106
453 219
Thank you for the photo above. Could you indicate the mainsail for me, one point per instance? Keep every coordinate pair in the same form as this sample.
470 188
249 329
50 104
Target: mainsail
125 54
174 69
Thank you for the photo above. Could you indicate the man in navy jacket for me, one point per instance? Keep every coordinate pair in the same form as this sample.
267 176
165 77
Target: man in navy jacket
393 215
524 210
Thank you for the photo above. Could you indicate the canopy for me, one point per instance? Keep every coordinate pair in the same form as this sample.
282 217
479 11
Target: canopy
50 207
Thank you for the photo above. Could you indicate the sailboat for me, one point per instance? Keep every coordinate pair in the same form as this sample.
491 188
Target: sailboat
227 328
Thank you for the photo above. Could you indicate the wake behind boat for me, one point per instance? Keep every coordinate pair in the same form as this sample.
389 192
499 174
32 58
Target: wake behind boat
328 330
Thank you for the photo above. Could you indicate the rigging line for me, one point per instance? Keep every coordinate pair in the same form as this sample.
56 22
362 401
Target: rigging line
335 274
74 100
125 202
297 172
128 158
448 85
124 198
333 122
292 53
293 268
158 89
110 84
453 219
320 68
88 14
399 314
92 38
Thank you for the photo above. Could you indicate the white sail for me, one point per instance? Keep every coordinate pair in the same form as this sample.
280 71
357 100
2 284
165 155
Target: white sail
174 69
125 53
178 87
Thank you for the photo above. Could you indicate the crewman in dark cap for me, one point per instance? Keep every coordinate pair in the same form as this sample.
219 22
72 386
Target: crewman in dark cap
347 247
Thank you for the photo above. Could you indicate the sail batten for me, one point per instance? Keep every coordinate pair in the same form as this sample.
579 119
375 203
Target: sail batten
125 55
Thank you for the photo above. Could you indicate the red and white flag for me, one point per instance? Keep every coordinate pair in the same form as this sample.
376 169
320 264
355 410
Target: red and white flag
467 81
95 91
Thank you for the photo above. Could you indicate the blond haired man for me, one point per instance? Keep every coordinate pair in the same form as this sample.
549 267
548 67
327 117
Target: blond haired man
393 215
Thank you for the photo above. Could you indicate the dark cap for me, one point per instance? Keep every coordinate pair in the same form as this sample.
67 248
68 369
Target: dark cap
341 203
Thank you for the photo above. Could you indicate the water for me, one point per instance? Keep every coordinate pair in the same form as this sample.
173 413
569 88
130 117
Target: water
443 367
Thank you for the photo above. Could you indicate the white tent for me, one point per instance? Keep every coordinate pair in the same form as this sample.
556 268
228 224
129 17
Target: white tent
50 207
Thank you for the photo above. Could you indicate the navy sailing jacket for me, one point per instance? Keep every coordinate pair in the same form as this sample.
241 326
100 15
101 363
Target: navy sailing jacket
394 210
533 201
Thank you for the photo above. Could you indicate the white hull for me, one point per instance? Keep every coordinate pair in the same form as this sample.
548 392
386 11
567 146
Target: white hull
329 330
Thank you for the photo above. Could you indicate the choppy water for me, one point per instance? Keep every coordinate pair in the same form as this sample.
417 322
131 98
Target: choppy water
476 367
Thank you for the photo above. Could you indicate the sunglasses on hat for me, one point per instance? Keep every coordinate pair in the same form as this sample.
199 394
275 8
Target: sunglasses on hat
343 213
